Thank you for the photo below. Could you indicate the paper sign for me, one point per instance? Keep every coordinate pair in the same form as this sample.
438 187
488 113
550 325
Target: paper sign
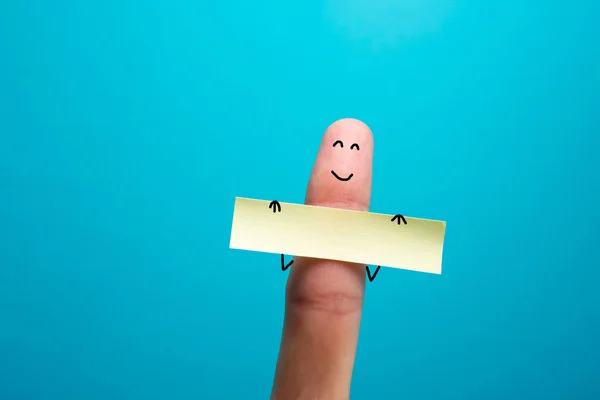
338 234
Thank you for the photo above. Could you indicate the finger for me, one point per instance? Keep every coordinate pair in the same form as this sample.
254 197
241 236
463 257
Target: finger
324 298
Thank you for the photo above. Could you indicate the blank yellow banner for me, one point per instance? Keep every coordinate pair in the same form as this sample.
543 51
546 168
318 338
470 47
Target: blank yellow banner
337 234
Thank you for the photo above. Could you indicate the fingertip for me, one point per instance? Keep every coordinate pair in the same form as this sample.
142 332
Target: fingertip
352 125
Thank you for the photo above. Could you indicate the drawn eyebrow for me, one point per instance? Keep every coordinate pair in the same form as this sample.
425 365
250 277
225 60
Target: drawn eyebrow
338 141
357 148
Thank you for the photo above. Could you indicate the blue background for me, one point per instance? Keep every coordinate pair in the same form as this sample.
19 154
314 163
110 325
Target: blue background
128 127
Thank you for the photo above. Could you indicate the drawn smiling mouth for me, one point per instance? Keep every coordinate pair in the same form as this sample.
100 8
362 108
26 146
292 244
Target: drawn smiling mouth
342 179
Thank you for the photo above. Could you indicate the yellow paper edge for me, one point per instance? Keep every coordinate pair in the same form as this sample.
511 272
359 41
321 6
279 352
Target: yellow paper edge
338 234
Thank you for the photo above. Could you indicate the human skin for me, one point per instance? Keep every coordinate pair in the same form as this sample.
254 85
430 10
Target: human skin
324 298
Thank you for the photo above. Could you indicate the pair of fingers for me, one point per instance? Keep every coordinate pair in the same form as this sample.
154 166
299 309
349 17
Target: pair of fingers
324 298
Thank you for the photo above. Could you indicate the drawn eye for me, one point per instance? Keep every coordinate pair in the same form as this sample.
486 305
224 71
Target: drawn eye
338 142
353 146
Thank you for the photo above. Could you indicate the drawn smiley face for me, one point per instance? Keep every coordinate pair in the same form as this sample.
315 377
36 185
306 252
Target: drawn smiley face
341 174
353 147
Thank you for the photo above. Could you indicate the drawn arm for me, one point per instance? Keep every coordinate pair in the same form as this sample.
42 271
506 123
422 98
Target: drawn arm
276 207
399 218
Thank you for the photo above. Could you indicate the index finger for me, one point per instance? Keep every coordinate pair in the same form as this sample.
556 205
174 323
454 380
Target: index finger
324 298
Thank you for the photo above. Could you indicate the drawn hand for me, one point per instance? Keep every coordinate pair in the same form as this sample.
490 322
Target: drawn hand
399 217
323 297
275 206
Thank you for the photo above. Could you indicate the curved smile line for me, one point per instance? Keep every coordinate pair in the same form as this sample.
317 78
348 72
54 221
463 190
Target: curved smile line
342 179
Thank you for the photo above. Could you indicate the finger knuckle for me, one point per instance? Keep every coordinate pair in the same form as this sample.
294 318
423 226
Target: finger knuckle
337 303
